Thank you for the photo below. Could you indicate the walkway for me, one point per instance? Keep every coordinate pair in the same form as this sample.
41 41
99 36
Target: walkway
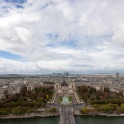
57 98
74 99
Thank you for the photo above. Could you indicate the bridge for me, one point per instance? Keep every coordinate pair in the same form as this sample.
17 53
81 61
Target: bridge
66 112
66 115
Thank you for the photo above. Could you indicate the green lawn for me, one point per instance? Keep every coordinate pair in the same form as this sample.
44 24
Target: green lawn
70 98
60 99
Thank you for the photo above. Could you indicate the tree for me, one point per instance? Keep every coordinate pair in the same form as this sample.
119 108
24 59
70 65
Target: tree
52 110
84 110
3 112
1 105
107 108
120 108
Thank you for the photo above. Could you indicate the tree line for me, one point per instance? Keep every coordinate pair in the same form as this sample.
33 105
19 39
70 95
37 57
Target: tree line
26 101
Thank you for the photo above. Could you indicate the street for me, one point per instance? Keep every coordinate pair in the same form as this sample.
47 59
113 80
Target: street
66 115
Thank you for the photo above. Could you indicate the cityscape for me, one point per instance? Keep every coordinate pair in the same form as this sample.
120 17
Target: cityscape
63 95
61 61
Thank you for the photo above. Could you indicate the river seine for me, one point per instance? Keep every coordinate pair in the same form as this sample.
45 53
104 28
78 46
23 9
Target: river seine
78 120
37 120
98 120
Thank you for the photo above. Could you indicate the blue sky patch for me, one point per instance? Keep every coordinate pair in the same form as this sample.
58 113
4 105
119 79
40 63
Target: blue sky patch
52 36
16 1
8 55
19 6
69 43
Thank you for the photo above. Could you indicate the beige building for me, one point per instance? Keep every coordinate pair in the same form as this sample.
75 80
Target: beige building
65 88
32 86
99 88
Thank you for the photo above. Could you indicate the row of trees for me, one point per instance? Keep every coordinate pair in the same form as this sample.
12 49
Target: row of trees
40 92
26 101
85 92
18 110
112 101
23 110
22 104
104 108
52 110
89 94
102 101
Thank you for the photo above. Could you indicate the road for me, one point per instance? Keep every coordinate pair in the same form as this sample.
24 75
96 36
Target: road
66 115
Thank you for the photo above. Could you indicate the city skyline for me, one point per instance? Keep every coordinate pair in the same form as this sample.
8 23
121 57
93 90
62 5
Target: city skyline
78 36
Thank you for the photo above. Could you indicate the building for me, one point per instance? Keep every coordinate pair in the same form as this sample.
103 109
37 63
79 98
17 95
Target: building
65 88
2 93
99 88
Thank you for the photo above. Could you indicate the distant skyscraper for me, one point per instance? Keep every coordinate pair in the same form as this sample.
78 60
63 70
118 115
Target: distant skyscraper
117 77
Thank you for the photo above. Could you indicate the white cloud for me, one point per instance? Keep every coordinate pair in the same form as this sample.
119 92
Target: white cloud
42 33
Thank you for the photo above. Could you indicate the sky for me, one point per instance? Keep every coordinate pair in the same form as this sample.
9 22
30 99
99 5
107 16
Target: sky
77 36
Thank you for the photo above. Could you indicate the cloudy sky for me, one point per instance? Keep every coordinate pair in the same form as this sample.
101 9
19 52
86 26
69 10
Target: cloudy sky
45 36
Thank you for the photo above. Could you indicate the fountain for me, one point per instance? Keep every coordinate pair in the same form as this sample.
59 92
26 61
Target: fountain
65 100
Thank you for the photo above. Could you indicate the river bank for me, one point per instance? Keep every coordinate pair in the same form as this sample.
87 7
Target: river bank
28 116
77 113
